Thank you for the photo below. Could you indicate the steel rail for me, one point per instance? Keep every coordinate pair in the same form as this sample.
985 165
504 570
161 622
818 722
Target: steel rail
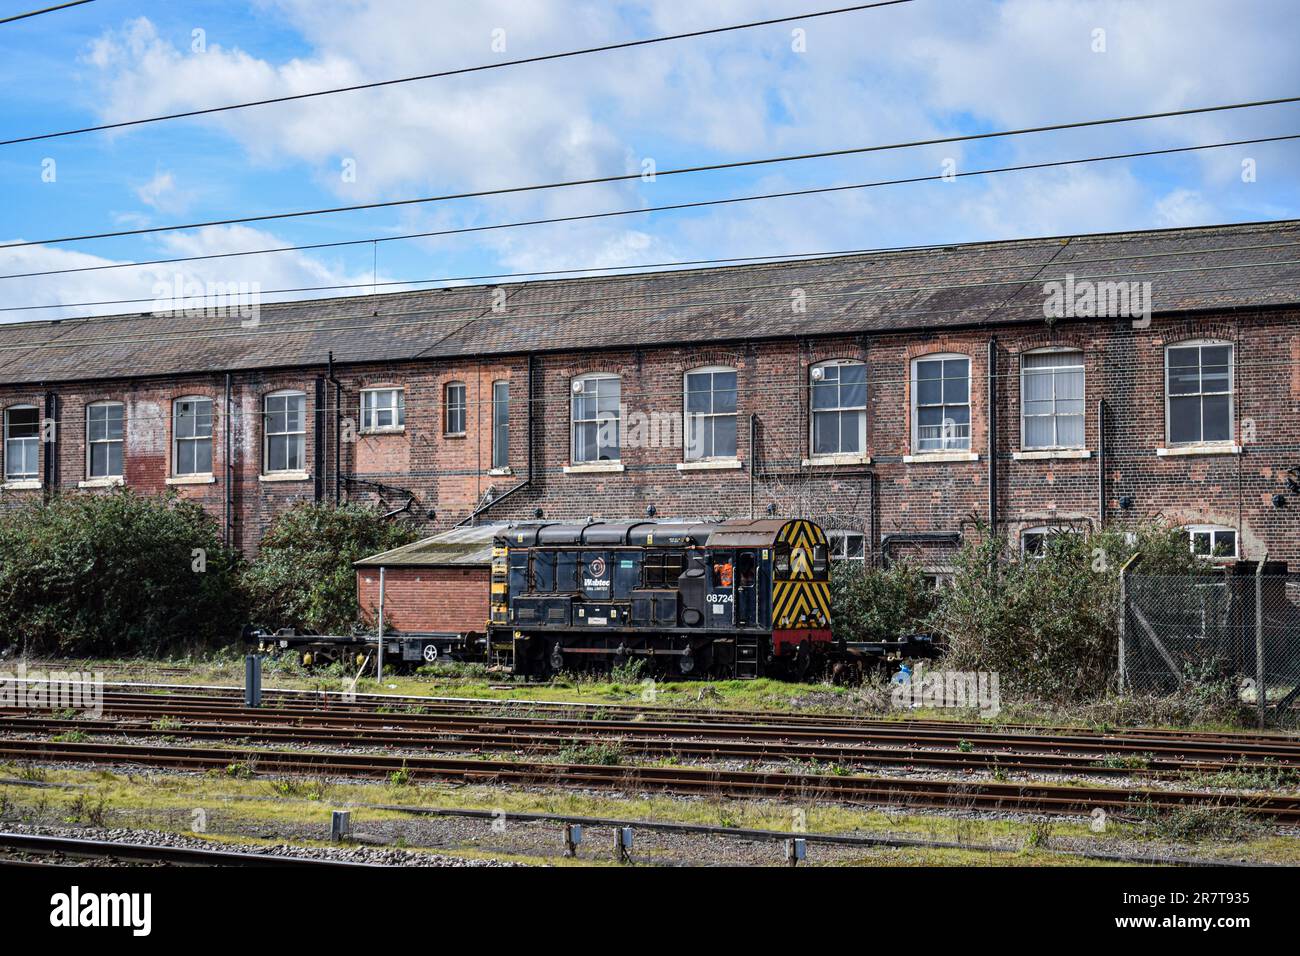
894 792
712 715
27 843
880 732
470 741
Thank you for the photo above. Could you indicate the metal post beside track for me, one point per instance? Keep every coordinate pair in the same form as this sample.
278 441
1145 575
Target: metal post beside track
379 673
252 680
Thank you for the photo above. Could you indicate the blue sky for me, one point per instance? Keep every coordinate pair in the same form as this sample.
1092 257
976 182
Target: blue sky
924 69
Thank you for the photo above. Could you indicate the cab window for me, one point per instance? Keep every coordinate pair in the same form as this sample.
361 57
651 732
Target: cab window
544 571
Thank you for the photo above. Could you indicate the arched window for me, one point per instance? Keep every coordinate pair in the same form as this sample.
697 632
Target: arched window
1198 393
1034 542
1051 399
839 408
595 418
104 439
22 442
284 432
192 436
453 418
710 413
1212 541
940 403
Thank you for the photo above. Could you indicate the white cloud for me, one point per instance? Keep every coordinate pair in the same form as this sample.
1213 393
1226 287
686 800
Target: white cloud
870 77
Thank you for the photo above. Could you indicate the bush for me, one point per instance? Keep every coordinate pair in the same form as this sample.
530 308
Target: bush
116 574
1048 626
875 604
303 576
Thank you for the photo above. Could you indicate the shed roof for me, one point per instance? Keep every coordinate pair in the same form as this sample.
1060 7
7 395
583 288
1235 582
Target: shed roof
985 283
459 547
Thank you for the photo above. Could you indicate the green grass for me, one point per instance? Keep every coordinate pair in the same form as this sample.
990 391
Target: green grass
262 803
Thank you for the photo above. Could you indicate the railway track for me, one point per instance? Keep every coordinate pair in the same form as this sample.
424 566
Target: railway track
25 849
897 793
507 728
548 740
313 701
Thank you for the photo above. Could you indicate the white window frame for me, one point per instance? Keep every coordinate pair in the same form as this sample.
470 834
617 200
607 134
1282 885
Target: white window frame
1213 530
708 418
34 440
177 438
838 546
577 388
460 407
300 433
501 429
371 408
1024 415
839 409
949 443
1200 345
1046 530
92 442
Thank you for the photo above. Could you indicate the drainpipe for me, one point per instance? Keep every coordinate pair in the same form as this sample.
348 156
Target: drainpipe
51 443
338 424
1101 463
528 476
993 433
322 442
229 482
873 496
753 459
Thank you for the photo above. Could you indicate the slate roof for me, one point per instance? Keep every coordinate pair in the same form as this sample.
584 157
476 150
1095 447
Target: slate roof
988 283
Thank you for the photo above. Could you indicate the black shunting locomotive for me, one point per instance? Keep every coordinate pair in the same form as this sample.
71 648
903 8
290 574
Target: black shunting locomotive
735 598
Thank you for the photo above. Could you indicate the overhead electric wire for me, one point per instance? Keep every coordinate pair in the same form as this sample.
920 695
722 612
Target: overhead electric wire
677 206
642 210
783 287
37 13
461 71
686 170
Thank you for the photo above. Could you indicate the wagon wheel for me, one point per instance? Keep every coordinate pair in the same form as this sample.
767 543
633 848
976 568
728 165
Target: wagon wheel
430 652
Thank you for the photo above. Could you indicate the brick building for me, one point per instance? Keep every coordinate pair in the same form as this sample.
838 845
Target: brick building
893 396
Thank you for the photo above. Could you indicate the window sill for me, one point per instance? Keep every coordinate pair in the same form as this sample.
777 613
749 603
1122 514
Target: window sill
22 484
938 457
711 464
594 468
192 480
398 430
501 472
113 481
1045 454
285 476
453 434
1216 448
827 461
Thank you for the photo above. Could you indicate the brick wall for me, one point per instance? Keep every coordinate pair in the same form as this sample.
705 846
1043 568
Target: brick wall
427 599
448 476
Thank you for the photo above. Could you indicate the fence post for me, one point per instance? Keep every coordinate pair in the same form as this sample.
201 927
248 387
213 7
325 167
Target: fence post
1261 692
1123 620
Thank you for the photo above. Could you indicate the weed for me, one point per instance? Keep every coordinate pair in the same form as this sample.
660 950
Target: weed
599 754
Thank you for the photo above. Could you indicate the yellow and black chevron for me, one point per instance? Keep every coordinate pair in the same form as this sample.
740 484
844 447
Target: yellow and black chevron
803 601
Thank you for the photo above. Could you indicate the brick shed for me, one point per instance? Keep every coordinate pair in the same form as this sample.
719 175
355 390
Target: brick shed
433 586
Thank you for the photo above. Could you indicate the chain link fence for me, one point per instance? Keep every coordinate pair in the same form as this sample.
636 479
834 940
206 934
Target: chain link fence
1236 629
